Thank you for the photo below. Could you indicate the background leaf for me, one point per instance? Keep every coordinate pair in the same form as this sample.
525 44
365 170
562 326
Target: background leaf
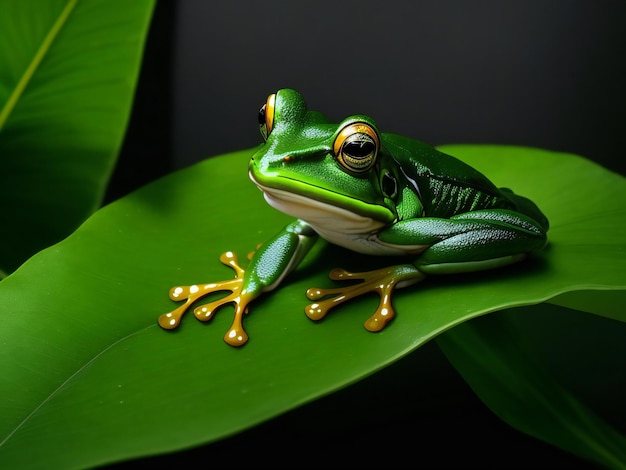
84 362
68 70
554 373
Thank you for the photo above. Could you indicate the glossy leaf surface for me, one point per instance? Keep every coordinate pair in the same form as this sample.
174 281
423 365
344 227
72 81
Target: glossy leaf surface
68 70
84 362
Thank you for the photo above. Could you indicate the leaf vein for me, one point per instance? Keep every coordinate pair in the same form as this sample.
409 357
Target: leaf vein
34 63
68 380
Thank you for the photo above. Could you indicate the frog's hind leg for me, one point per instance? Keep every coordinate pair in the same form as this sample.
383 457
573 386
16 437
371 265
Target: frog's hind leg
527 207
382 281
489 239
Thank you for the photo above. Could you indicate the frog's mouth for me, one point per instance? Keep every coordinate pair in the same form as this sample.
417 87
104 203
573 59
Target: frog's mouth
325 214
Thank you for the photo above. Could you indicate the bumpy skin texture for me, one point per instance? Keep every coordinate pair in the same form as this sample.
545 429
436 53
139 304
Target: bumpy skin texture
373 193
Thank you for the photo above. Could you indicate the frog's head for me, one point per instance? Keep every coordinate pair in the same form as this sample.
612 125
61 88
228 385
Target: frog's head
318 171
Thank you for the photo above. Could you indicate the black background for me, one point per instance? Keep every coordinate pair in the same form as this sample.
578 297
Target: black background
547 74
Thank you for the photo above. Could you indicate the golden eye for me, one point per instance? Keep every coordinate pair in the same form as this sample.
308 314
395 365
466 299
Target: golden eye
266 116
356 147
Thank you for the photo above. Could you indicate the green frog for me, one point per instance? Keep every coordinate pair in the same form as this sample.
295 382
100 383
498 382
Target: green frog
378 194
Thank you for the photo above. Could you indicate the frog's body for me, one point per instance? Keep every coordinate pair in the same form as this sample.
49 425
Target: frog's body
373 193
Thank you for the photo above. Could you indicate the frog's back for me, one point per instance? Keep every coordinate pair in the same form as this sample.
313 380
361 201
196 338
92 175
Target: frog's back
447 186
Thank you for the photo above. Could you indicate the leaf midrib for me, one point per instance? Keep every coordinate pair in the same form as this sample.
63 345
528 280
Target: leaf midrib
35 62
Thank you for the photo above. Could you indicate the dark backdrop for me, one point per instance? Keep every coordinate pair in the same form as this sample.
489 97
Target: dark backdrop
536 73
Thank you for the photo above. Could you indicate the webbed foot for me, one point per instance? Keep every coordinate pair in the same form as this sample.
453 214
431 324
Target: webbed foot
382 281
236 335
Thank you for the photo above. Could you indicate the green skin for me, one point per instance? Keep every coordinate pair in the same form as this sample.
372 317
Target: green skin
394 196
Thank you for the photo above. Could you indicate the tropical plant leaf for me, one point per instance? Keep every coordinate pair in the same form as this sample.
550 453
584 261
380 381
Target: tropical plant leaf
68 70
83 360
554 373
608 304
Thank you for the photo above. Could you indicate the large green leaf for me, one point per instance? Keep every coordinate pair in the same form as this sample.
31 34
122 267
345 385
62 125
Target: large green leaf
554 373
83 360
68 70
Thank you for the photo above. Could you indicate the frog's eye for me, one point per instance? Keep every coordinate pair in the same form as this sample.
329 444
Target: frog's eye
356 147
266 117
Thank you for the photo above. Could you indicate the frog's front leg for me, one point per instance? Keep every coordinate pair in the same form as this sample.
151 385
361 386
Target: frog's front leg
268 267
472 241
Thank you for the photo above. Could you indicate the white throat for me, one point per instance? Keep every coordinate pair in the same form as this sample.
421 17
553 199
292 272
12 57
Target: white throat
335 224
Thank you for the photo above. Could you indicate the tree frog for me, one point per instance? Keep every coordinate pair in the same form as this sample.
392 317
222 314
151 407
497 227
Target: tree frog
375 193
